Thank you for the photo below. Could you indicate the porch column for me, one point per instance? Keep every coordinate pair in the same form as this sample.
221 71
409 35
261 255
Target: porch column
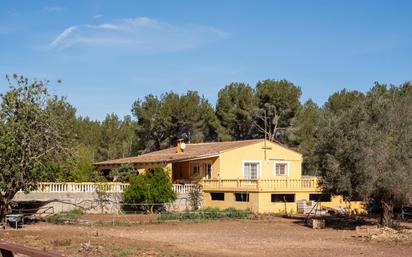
169 170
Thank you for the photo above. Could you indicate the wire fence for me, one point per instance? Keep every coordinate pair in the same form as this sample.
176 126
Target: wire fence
122 213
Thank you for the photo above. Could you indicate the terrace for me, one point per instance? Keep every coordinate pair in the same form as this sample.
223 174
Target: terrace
284 185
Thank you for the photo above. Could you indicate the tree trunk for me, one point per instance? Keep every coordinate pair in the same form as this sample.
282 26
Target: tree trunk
4 207
386 213
5 201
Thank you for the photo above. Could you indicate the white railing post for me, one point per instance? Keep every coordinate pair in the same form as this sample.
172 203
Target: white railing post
307 184
79 187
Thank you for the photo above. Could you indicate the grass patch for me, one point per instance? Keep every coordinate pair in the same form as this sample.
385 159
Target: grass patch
69 217
125 250
207 214
76 213
170 254
62 243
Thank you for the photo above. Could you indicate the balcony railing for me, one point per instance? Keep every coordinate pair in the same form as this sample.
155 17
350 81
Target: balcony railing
51 187
113 187
186 188
303 184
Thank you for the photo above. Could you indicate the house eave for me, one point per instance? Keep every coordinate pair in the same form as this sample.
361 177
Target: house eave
200 157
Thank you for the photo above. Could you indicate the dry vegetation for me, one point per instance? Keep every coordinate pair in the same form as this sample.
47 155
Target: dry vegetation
401 236
260 236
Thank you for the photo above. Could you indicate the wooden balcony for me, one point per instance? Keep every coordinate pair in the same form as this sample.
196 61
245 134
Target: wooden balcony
269 185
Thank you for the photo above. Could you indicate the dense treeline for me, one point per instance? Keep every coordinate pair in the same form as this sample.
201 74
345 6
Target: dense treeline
271 108
360 144
241 112
92 141
364 146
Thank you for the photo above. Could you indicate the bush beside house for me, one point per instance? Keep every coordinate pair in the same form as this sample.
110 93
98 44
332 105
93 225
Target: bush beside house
150 190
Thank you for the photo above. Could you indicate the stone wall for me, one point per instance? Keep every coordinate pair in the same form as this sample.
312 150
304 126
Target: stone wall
91 202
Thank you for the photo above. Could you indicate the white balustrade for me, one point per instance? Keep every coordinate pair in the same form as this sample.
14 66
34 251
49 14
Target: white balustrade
183 188
110 187
303 184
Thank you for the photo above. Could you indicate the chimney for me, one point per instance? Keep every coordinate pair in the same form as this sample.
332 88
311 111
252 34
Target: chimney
180 145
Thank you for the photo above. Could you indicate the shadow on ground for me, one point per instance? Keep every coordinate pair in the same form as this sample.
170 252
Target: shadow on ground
338 222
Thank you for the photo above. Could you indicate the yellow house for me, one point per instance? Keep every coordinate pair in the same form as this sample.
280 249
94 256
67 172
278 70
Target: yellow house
260 175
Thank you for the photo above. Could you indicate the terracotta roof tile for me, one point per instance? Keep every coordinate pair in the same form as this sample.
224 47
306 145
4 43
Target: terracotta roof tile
192 151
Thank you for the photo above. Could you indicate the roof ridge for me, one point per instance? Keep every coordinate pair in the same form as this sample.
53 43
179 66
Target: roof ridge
229 141
193 150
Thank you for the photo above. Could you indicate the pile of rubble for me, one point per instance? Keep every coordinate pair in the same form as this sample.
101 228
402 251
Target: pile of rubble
385 234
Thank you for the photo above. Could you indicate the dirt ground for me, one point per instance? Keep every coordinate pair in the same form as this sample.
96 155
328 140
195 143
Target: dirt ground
275 237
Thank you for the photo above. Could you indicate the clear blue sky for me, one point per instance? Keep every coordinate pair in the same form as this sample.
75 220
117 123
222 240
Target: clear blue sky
110 53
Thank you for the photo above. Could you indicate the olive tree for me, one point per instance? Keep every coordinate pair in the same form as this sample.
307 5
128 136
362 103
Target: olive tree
31 136
366 150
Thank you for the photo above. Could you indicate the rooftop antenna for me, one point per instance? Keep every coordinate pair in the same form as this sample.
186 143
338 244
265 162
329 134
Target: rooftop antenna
186 136
265 147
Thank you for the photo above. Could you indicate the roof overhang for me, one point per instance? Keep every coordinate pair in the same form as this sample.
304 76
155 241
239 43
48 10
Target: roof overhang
206 156
199 157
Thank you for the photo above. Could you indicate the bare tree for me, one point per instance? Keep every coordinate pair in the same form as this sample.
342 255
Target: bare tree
267 124
196 197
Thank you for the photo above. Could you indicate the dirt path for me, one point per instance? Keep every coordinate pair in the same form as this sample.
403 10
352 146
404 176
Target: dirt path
213 238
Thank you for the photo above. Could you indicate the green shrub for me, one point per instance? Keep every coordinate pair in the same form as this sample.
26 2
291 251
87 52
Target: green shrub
170 216
150 188
75 213
65 217
211 213
54 218
63 242
236 214
206 214
123 173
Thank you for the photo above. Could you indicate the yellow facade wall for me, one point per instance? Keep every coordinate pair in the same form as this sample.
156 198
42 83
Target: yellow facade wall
261 202
357 207
230 202
231 161
266 205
